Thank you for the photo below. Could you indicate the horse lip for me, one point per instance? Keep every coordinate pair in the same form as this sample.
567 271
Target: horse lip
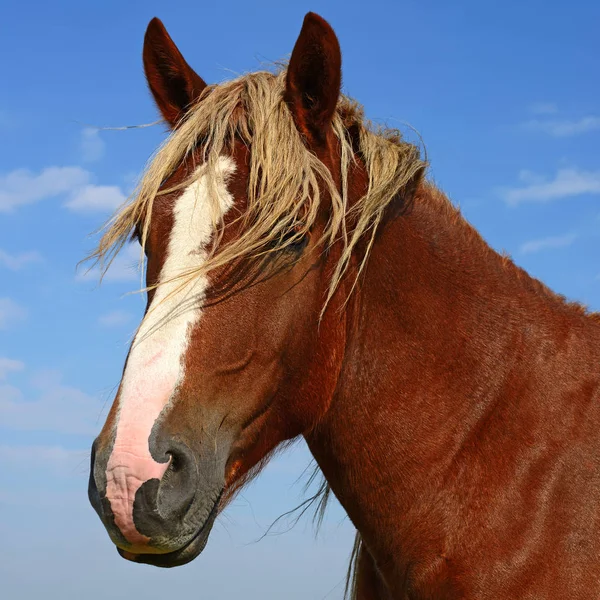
183 555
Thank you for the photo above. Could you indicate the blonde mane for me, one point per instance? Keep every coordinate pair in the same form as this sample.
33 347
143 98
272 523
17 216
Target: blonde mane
284 195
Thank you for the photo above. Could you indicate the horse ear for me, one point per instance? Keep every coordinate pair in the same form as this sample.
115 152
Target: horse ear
173 83
314 78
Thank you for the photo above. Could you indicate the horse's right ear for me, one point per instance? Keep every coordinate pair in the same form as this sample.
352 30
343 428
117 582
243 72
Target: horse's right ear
173 83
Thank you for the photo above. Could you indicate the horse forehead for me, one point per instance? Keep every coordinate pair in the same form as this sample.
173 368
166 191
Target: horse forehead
161 341
193 215
231 177
238 161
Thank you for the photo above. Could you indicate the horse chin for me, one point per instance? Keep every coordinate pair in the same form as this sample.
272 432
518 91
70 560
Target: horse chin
171 559
183 555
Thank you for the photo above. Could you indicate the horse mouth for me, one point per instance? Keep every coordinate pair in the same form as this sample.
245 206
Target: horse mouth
183 555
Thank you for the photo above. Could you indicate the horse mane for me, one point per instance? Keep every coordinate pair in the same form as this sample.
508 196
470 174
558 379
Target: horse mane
285 177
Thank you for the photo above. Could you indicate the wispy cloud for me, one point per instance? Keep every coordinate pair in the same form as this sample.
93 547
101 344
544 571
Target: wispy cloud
10 312
124 268
115 318
16 262
7 365
54 458
565 128
55 407
96 198
21 187
543 108
92 145
547 243
567 183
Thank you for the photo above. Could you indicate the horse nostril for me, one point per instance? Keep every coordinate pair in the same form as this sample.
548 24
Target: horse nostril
178 485
176 462
145 500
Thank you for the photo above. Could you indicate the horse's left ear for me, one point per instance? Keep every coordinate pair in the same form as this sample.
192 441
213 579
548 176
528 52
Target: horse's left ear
314 79
173 83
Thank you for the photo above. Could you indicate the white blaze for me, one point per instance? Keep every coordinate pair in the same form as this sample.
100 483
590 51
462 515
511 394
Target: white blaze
156 361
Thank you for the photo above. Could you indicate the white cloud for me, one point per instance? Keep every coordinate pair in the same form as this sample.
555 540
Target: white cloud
565 128
566 184
92 145
124 268
531 178
54 458
16 262
10 312
56 407
114 318
7 365
543 108
22 187
548 243
96 198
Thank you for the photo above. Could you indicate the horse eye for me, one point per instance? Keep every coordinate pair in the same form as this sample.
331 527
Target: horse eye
289 243
294 245
136 234
298 245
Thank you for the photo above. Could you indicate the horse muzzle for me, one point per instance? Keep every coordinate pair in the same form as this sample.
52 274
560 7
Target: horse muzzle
157 508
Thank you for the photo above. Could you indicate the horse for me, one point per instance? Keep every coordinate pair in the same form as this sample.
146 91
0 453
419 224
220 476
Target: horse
305 279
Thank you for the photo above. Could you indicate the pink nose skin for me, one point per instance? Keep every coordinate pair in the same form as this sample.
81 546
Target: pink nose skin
125 474
130 464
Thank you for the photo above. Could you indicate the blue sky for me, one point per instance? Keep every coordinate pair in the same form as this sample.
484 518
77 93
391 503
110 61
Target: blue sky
505 96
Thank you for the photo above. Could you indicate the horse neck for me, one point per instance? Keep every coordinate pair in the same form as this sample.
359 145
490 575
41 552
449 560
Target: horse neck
440 332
